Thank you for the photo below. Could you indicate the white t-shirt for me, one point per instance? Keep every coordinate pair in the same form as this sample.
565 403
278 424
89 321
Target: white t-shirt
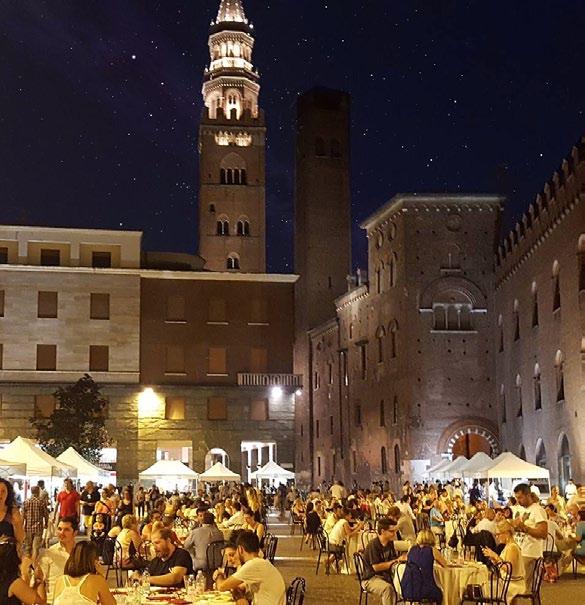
532 548
52 562
337 534
264 581
338 491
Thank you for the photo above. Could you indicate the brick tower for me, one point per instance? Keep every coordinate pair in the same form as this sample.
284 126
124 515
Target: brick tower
322 236
232 133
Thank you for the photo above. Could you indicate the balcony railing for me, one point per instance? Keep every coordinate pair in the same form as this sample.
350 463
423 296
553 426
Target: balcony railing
269 380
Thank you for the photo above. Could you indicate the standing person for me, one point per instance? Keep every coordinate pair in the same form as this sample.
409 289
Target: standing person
338 491
52 561
379 557
67 504
570 489
13 589
140 502
125 505
36 518
11 525
44 494
256 576
533 525
82 583
89 498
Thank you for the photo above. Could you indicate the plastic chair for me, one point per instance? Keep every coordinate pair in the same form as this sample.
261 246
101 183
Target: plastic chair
360 567
500 576
535 584
295 593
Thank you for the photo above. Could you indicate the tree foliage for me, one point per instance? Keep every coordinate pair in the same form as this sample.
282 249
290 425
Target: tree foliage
78 421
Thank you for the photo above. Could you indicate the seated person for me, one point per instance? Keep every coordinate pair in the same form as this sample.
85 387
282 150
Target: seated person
379 557
199 539
256 576
252 523
98 528
129 540
171 563
340 533
155 516
580 534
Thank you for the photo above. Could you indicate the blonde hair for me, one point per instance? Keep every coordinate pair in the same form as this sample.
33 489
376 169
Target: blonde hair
129 521
505 527
426 537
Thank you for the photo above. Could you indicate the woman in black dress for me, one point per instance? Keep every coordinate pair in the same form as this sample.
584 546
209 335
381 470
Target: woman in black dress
13 589
11 523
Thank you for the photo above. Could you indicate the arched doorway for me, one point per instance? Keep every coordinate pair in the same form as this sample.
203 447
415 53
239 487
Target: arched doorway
214 455
540 459
469 440
564 462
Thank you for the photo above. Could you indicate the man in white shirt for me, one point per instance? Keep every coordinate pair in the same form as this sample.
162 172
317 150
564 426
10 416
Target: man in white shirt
257 577
487 522
533 525
570 489
237 519
53 559
338 491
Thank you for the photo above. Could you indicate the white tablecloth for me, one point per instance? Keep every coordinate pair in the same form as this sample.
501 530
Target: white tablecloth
453 580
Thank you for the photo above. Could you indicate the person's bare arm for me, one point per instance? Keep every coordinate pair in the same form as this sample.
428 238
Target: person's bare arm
105 596
26 594
230 583
18 524
440 559
540 530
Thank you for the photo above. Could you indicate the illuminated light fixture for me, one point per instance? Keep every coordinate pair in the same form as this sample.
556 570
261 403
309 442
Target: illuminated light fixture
240 139
299 392
276 392
147 403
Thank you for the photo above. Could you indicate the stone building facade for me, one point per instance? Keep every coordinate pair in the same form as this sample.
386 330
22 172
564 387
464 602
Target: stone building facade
195 365
540 300
404 373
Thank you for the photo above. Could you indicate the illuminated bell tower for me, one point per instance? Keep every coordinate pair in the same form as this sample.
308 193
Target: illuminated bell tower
232 135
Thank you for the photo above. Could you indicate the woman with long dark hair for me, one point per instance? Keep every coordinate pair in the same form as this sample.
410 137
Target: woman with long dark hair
82 583
13 589
11 523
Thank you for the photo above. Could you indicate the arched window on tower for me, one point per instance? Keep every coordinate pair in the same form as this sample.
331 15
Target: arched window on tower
233 170
392 271
397 461
537 388
560 376
383 460
581 258
393 330
320 150
516 316
556 287
380 334
500 334
233 262
452 257
379 274
223 225
395 410
503 404
534 291
540 459
518 387
243 227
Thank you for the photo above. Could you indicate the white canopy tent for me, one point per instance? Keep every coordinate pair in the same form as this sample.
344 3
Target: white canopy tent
219 472
454 468
86 471
434 470
273 472
509 466
38 463
12 469
476 467
169 474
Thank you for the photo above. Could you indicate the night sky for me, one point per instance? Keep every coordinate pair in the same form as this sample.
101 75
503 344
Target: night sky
100 102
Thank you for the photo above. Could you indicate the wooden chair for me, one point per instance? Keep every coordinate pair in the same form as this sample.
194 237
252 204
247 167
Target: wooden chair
500 576
360 565
295 593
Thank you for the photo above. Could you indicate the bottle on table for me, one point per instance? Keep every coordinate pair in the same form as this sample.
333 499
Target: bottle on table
200 583
145 583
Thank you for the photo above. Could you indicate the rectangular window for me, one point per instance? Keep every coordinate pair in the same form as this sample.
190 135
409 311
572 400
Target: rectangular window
217 362
354 461
344 372
331 425
363 361
317 432
44 406
1 356
358 413
99 358
47 305
50 257
330 372
259 410
2 303
318 466
3 255
382 413
46 357
217 311
174 359
175 308
216 408
175 408
99 306
259 312
258 360
101 260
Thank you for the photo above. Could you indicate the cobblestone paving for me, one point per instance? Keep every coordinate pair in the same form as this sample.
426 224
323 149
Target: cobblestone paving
343 590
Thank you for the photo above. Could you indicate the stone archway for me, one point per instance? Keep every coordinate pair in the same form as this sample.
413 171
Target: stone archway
466 438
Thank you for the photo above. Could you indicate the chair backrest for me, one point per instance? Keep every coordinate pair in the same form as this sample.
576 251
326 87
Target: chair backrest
214 555
323 541
295 593
108 551
118 556
500 576
412 580
270 550
360 566
549 544
537 576
367 536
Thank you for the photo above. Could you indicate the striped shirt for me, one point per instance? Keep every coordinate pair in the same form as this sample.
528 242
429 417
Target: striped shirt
36 515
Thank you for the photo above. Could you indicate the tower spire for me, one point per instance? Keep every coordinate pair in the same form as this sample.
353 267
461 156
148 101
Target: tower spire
231 10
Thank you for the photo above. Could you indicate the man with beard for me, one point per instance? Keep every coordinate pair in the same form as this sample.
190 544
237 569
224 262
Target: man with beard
171 563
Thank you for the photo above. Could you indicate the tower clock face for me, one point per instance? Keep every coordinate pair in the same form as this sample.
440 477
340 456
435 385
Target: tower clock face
454 222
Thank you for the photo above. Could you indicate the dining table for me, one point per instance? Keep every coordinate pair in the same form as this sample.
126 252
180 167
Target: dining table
173 597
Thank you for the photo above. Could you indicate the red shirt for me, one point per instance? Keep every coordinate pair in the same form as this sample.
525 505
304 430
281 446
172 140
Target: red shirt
68 503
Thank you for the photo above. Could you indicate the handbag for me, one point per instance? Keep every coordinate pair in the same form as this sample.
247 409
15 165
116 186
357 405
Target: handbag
453 541
473 591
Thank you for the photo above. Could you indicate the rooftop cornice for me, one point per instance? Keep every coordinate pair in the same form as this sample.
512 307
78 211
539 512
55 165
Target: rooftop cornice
352 296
